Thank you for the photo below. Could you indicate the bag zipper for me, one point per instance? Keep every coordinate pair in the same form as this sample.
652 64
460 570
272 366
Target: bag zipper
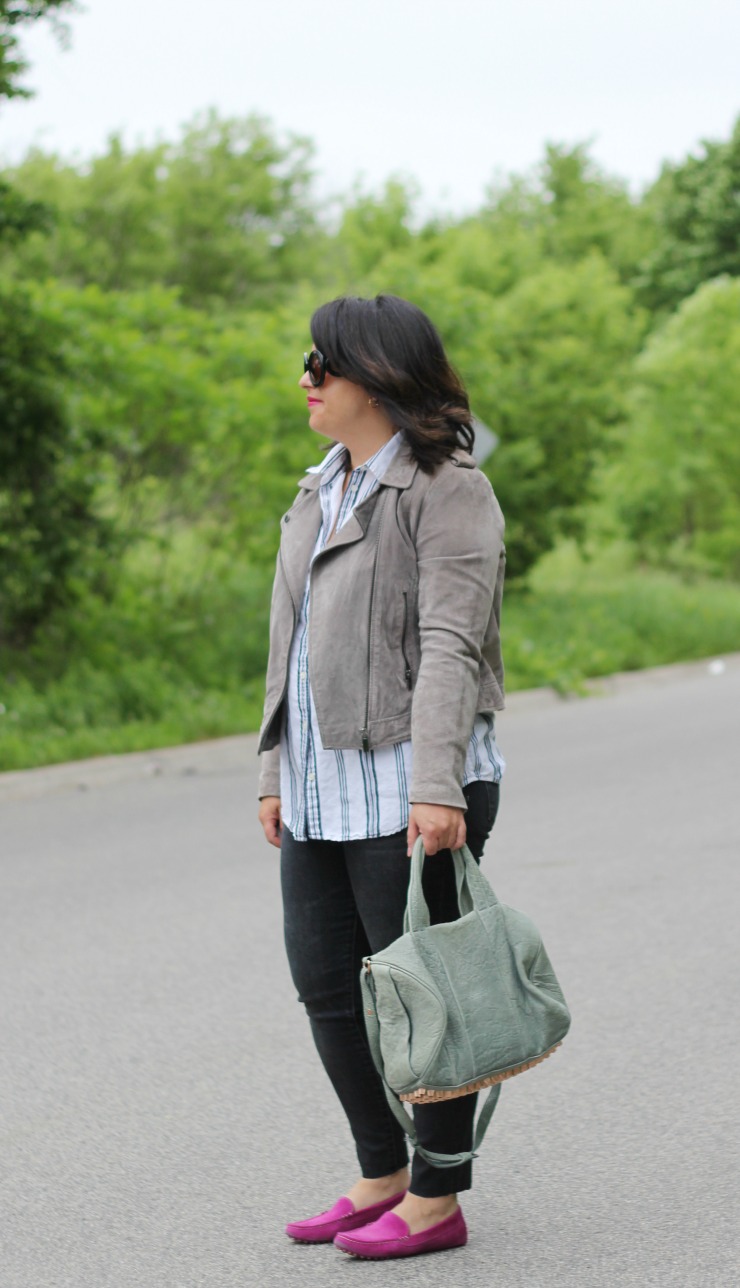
422 983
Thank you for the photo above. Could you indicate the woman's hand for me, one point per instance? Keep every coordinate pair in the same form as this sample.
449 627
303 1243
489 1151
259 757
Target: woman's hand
271 819
441 827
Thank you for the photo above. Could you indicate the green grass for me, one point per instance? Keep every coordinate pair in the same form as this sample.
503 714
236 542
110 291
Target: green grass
179 655
578 620
91 713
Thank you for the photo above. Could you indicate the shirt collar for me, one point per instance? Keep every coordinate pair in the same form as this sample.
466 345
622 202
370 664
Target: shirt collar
331 459
377 464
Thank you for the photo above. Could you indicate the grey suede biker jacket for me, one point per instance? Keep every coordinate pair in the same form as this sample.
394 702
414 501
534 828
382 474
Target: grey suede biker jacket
403 637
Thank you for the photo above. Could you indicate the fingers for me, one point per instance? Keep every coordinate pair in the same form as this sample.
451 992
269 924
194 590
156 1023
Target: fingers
440 827
431 840
274 830
270 816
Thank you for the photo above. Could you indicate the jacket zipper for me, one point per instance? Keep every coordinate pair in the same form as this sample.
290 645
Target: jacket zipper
278 704
365 733
407 671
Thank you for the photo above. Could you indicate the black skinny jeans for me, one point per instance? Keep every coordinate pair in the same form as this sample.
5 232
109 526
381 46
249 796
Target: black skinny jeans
343 900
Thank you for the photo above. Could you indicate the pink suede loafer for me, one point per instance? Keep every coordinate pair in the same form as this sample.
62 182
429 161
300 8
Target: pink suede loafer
390 1237
343 1216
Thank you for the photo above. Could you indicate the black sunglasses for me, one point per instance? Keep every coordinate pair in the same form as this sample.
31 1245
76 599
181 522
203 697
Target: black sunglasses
317 366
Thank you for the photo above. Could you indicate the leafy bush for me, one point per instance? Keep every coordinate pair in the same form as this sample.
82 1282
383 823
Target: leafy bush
176 654
163 666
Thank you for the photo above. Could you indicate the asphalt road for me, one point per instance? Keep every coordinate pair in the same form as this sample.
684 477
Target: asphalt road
163 1112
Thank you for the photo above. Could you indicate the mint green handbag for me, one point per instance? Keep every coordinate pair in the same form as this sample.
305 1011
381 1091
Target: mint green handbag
462 1005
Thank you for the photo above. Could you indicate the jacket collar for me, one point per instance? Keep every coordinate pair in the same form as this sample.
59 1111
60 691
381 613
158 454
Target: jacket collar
399 474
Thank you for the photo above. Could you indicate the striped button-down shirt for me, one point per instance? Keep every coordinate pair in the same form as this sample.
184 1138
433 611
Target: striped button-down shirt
351 795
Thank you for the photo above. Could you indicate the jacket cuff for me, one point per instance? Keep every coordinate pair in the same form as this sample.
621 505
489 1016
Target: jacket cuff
437 794
269 779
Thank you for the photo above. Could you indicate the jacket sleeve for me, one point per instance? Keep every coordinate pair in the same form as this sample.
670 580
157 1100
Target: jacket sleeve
458 543
269 779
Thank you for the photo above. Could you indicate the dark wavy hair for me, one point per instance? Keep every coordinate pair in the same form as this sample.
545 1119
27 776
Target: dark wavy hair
390 348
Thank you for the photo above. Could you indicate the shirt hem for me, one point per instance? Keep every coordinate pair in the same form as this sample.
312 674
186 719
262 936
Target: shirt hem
359 836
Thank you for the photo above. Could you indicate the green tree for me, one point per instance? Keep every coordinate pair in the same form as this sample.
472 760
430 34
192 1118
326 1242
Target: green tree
197 417
568 207
237 204
372 227
51 539
107 228
18 216
546 365
562 342
224 214
695 206
15 14
675 486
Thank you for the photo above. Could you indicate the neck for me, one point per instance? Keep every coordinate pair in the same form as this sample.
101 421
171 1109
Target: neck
366 445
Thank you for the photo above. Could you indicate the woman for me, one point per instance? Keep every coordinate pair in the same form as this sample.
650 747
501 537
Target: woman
384 674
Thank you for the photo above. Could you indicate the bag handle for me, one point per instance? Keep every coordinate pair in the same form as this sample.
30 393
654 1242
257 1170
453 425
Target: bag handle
396 1104
473 890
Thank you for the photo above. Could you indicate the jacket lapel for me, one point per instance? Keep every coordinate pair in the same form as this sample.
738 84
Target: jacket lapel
301 526
358 522
299 529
